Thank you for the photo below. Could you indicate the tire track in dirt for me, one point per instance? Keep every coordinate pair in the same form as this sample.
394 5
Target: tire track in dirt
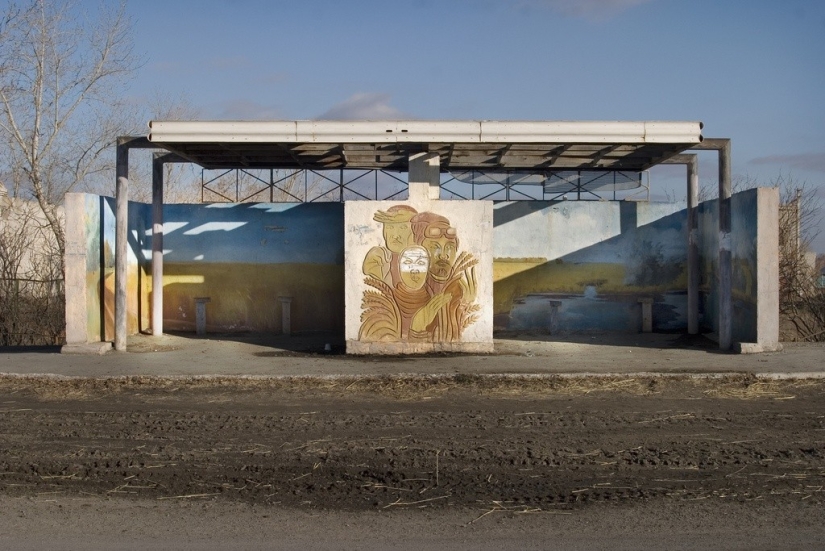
466 444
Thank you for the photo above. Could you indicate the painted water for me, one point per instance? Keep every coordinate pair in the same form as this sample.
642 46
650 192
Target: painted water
591 311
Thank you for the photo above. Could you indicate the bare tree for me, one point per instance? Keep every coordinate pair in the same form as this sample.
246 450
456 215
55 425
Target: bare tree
801 299
31 279
181 180
60 77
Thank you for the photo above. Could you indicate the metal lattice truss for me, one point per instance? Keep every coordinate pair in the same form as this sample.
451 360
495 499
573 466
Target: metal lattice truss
300 186
307 186
546 186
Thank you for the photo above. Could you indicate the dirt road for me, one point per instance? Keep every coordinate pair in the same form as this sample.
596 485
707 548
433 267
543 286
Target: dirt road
471 449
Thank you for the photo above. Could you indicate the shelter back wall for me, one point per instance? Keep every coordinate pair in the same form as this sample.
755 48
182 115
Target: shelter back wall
583 266
244 256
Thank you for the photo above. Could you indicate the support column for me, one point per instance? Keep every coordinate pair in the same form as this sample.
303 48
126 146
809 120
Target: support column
693 244
724 268
157 244
424 177
200 314
725 260
692 164
647 314
121 237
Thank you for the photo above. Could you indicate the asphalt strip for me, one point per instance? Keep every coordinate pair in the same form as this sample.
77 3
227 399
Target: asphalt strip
781 376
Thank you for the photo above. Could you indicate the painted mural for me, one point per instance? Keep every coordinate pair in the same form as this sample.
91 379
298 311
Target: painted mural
99 229
246 255
96 261
584 266
422 286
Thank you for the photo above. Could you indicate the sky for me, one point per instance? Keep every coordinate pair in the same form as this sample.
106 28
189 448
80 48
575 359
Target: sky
750 70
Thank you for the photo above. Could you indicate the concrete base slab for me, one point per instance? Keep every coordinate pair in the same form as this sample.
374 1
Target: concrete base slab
389 348
302 355
98 348
755 347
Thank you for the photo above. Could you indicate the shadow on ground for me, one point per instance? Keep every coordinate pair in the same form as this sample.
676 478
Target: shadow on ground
330 344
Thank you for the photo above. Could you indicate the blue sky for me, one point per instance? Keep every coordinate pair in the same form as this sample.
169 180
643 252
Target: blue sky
751 70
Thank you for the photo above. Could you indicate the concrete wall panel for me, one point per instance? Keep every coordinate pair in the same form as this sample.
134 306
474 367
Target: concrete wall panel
419 276
755 271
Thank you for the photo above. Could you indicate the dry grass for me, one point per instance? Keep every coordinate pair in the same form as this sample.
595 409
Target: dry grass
749 388
406 387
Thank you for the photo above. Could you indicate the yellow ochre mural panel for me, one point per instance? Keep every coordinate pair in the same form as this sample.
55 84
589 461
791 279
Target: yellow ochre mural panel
244 297
422 288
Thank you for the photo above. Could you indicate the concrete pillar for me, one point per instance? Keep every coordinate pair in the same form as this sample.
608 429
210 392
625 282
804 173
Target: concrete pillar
200 314
75 266
157 245
724 278
693 244
692 164
424 176
767 269
121 239
725 260
286 315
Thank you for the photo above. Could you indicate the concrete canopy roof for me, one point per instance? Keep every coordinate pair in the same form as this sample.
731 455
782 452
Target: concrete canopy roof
462 145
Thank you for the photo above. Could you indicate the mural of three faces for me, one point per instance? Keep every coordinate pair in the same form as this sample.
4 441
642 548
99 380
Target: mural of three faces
422 288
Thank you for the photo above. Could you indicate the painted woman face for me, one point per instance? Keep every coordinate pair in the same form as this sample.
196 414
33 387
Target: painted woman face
413 264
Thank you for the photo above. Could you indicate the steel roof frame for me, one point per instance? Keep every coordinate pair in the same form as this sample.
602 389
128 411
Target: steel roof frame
461 145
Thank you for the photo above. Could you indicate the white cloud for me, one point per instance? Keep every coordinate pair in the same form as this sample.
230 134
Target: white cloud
364 106
594 10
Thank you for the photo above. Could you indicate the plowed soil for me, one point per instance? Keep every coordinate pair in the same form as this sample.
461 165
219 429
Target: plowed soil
492 444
